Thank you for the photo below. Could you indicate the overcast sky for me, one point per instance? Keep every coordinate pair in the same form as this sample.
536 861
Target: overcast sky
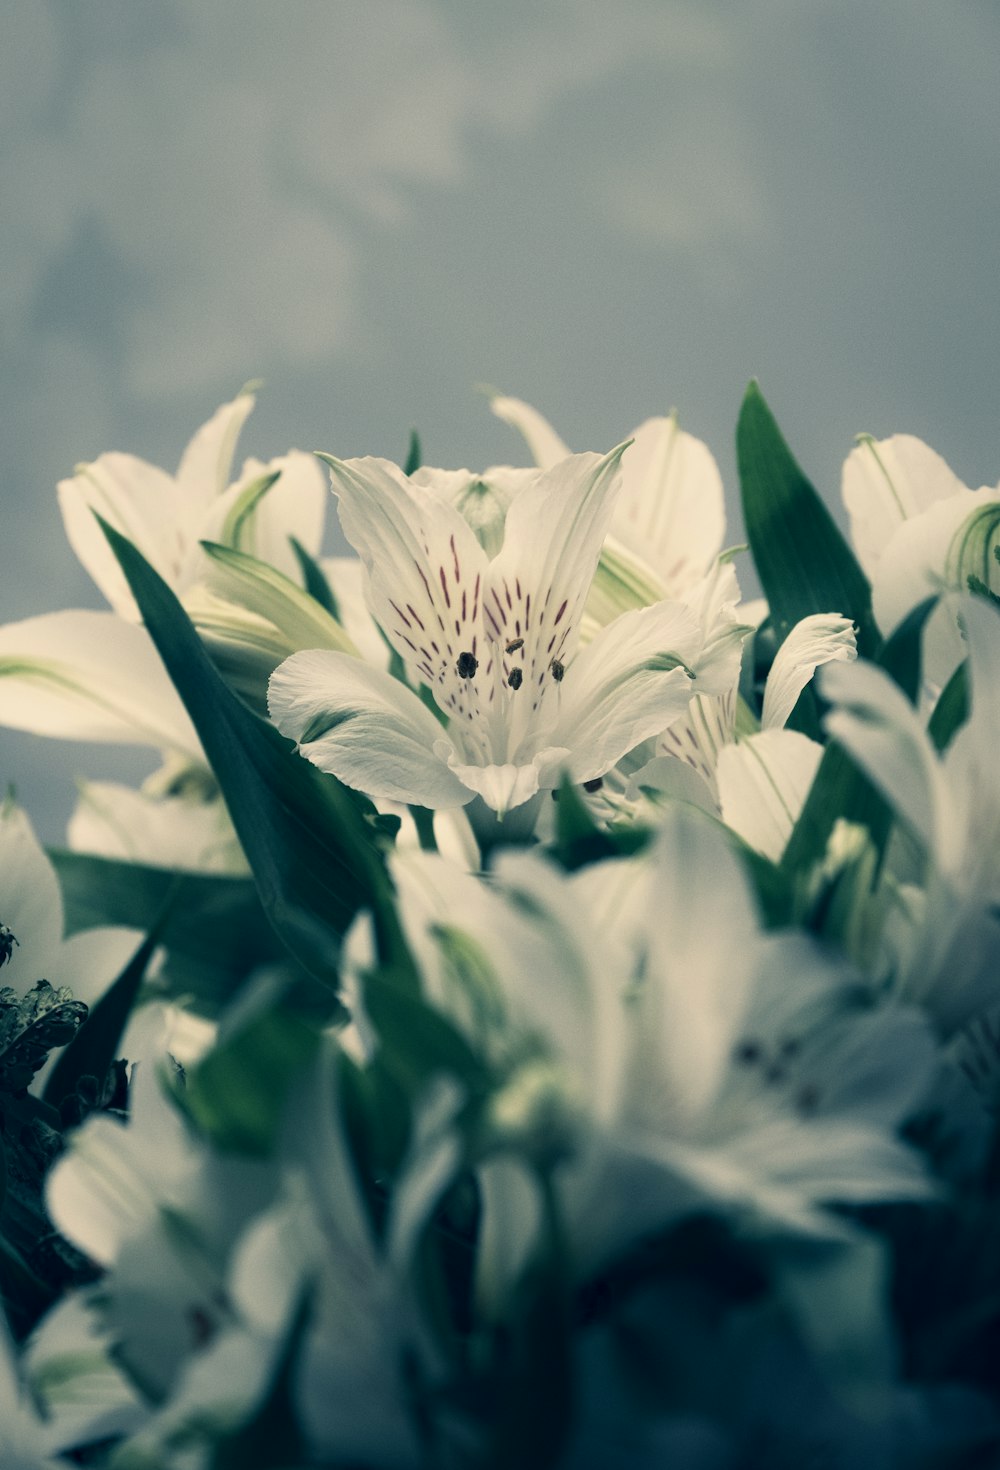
608 208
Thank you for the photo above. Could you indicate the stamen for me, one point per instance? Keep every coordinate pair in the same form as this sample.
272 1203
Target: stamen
514 678
467 665
515 644
558 669
594 785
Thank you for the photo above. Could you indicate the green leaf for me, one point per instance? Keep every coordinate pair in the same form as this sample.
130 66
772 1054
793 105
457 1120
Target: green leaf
95 1045
839 788
314 578
414 454
952 708
804 563
237 1093
215 933
237 529
305 837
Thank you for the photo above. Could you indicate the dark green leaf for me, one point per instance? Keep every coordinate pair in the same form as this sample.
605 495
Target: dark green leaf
804 563
215 933
95 1045
414 454
314 579
237 1093
952 708
304 835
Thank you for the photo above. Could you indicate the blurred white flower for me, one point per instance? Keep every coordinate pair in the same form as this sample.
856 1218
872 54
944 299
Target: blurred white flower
951 804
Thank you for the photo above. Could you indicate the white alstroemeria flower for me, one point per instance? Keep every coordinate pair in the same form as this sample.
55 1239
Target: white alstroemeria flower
680 1054
70 1366
167 517
95 675
917 531
495 640
951 804
148 1202
757 781
31 912
668 524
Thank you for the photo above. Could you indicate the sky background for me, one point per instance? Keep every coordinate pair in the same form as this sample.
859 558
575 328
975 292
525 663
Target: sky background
607 208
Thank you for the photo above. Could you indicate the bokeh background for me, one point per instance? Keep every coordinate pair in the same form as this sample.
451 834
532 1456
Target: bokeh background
608 208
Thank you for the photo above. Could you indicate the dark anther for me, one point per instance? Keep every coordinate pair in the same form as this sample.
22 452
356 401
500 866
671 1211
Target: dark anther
747 1052
807 1100
515 678
558 670
594 785
790 1047
467 665
515 644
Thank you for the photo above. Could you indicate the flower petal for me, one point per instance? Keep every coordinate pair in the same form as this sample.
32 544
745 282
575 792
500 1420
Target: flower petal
880 730
763 782
544 444
671 511
294 505
139 500
425 576
637 675
207 462
886 482
31 904
164 831
814 640
536 588
84 675
364 727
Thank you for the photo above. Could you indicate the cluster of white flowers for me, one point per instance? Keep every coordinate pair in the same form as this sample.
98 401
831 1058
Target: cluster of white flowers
544 1008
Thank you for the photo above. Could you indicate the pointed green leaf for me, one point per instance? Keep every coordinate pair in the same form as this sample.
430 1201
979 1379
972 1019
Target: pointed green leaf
305 837
95 1046
314 578
804 563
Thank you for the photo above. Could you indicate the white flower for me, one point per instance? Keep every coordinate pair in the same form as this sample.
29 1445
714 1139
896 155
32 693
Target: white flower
95 675
918 530
667 527
495 640
685 1055
756 779
951 804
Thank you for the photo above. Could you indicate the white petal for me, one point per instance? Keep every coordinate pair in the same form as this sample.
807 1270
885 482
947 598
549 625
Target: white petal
294 505
511 1219
425 575
501 787
31 904
177 832
879 728
886 482
700 931
206 464
813 641
763 783
346 576
90 961
913 564
671 511
544 444
628 684
140 501
365 727
537 586
83 675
